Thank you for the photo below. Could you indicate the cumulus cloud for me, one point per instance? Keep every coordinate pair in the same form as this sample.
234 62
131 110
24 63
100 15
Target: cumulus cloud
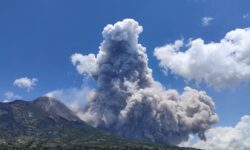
10 96
74 98
129 102
206 20
227 138
218 64
26 83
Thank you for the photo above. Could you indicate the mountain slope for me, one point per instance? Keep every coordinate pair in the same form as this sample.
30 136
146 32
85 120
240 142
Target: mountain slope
46 122
55 108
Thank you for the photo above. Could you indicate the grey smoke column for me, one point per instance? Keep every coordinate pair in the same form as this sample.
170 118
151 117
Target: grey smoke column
129 102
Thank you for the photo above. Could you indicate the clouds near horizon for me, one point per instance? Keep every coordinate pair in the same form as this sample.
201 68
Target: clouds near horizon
10 96
226 137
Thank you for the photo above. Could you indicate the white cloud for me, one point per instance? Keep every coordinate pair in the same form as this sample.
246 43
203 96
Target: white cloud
218 64
74 98
206 20
10 96
227 138
245 16
85 64
26 83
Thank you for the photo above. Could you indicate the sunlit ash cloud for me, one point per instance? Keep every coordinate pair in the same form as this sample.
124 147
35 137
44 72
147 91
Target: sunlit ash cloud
129 102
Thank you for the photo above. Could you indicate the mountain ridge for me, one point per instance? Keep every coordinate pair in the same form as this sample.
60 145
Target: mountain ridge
48 123
55 107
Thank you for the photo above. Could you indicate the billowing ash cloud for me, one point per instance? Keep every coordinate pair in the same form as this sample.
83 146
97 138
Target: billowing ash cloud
227 138
84 64
129 102
222 64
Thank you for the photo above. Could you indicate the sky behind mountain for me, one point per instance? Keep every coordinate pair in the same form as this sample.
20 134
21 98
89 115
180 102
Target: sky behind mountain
38 38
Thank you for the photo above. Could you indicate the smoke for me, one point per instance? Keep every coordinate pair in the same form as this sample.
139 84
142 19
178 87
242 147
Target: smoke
85 64
129 102
72 97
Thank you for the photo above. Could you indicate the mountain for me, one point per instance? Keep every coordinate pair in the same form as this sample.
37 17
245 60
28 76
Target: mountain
46 123
55 108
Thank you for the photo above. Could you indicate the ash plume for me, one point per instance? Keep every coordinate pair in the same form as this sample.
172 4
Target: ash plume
129 102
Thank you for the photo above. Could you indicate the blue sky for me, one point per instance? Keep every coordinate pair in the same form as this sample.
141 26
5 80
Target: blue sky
37 39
